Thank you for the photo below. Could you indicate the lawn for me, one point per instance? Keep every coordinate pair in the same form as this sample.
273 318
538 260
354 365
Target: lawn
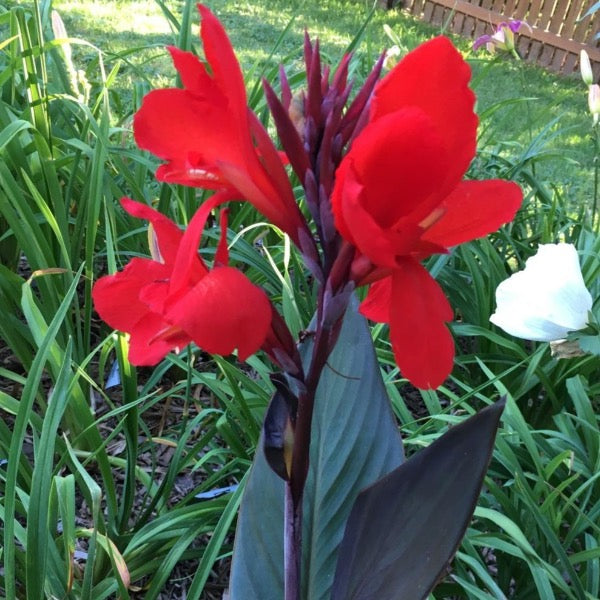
519 104
123 481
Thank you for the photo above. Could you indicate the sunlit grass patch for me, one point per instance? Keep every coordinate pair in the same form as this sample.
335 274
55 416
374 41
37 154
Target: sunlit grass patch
115 16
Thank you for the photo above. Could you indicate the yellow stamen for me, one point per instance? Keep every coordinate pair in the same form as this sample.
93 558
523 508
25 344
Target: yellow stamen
433 217
166 333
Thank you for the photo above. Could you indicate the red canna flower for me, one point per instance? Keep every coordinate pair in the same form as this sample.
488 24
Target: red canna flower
167 302
399 197
208 135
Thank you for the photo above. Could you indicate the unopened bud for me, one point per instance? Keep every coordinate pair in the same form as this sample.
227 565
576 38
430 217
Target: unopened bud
390 33
594 101
58 27
586 68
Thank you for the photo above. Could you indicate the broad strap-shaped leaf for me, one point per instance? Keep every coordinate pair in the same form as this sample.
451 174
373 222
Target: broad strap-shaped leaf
404 530
355 442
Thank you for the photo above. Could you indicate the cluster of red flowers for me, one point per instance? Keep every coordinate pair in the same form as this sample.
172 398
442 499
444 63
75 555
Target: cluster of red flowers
398 196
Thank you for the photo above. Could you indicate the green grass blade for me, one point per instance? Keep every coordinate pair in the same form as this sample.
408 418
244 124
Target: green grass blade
22 418
215 544
38 536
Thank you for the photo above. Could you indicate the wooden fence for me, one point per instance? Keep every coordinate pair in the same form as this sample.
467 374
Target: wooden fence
559 31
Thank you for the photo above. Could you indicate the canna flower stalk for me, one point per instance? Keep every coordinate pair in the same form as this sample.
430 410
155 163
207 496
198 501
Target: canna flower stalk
383 178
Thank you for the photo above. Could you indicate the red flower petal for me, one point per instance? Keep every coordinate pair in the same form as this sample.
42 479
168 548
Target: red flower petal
222 60
208 135
194 76
207 121
224 311
474 209
167 233
119 300
434 77
117 297
376 306
265 199
383 247
192 134
189 267
401 164
273 171
357 225
380 197
345 186
422 343
146 344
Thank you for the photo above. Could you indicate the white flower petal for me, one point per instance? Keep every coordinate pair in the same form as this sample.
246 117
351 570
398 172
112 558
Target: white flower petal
547 299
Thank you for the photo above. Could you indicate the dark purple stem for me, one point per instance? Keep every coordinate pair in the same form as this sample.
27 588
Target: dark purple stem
302 432
331 307
294 488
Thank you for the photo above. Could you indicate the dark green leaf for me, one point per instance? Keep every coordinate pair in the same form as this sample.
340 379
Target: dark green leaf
404 530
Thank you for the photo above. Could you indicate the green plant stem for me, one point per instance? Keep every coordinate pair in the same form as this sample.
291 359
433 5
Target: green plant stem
596 139
129 383
527 103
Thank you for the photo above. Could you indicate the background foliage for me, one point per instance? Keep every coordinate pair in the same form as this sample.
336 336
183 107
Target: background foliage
114 481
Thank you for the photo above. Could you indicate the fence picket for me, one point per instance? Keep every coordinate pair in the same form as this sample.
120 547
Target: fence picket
570 12
481 27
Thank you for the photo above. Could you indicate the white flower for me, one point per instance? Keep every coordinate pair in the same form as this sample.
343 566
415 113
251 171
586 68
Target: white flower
547 299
